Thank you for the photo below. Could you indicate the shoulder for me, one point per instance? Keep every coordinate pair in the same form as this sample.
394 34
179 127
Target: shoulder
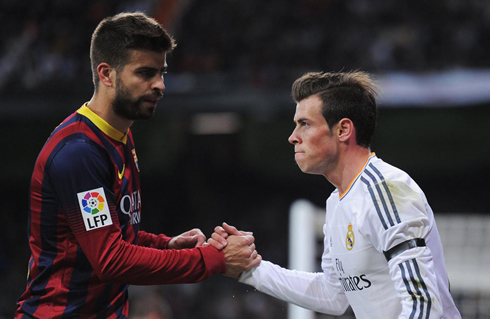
381 174
391 194
73 152
74 138
78 147
79 164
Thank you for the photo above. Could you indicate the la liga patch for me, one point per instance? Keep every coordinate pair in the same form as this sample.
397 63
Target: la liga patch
94 208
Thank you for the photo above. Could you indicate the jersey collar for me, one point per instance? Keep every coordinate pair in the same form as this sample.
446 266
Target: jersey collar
357 176
103 125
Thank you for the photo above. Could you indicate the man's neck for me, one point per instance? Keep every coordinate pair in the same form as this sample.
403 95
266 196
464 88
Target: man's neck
349 166
102 106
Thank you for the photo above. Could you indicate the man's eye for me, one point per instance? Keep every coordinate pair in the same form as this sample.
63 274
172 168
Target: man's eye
147 73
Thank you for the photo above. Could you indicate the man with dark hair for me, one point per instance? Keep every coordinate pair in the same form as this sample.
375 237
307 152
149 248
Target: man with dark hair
85 199
382 252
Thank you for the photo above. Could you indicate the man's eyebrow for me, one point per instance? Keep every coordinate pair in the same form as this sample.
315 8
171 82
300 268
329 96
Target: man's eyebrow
300 120
150 68
146 68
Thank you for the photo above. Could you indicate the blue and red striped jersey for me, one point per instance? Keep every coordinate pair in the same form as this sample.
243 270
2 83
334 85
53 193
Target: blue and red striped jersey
83 229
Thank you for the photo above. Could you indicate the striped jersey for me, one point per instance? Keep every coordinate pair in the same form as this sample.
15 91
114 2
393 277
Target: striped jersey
83 229
382 208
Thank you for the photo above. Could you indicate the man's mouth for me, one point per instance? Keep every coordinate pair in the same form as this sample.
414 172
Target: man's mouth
153 98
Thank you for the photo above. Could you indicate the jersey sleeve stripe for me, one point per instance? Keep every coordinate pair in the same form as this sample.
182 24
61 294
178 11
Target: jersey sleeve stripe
381 197
416 286
388 192
417 283
375 202
424 287
409 290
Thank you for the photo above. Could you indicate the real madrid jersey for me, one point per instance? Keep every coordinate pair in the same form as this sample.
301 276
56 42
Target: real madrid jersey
382 208
84 219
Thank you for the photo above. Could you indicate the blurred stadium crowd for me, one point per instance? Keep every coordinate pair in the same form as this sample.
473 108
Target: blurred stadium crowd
44 45
223 45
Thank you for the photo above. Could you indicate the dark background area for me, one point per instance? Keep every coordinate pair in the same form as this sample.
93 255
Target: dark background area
241 58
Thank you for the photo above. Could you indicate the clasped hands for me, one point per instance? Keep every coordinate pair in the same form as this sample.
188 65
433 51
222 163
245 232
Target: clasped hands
237 246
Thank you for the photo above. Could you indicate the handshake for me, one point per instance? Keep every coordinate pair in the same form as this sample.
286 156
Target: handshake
237 246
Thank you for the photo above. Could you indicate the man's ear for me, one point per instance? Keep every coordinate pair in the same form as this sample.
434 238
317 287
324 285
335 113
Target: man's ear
104 71
346 129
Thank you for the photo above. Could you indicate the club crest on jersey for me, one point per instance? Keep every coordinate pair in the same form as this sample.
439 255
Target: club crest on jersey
350 239
135 159
94 209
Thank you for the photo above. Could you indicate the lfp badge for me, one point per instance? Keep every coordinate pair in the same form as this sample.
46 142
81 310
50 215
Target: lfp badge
350 239
94 208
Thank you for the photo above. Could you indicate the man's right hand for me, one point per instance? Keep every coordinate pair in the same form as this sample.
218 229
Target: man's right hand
240 255
239 249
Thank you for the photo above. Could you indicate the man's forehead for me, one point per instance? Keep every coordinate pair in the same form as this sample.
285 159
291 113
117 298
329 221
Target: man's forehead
308 107
147 58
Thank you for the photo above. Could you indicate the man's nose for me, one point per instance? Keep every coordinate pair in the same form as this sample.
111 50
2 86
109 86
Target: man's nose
159 84
293 138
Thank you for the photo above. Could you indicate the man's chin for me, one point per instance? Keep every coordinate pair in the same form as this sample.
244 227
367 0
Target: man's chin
307 170
145 112
143 116
148 114
302 168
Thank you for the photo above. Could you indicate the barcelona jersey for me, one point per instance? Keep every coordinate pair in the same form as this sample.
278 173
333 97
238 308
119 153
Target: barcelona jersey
83 230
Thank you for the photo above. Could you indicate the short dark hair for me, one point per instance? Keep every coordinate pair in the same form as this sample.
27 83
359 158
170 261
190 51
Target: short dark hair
344 95
116 36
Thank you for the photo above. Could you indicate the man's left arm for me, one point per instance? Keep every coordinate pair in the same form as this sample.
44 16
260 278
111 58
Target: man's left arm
402 241
416 283
189 239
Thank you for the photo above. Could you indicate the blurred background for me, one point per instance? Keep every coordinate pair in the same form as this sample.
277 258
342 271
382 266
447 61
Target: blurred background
217 148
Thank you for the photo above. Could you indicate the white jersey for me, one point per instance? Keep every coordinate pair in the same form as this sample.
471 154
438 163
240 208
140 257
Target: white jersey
382 208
